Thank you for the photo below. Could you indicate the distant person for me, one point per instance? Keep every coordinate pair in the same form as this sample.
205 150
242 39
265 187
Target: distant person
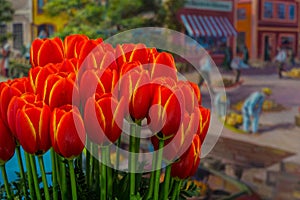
5 58
43 34
245 54
237 64
228 57
252 108
205 70
222 104
280 60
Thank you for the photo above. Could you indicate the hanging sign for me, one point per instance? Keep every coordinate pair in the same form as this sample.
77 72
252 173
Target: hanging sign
224 6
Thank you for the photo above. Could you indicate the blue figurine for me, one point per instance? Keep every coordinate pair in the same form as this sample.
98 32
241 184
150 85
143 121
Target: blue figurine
252 108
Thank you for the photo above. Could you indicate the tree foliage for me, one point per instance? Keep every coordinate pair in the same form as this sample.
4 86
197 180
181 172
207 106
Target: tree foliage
6 15
96 19
6 11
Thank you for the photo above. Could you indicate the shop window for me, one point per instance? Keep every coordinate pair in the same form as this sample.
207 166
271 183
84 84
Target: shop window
210 43
268 10
241 14
45 30
18 36
281 11
291 12
287 41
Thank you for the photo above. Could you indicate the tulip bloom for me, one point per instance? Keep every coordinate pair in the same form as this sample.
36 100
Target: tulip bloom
60 89
163 65
67 131
96 81
204 123
33 127
103 118
72 45
175 146
15 104
39 52
136 89
38 77
165 111
188 163
132 53
8 91
7 144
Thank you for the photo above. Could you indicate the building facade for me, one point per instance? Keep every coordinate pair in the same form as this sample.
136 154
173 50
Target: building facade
212 24
266 25
44 25
20 26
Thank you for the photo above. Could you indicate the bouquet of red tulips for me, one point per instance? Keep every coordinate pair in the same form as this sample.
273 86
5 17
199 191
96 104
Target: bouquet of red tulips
78 97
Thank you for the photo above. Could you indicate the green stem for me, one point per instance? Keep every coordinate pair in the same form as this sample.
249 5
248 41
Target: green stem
167 182
134 146
158 166
54 175
6 183
176 191
118 152
152 176
29 176
73 180
35 177
57 161
64 191
103 174
44 179
22 173
108 172
88 162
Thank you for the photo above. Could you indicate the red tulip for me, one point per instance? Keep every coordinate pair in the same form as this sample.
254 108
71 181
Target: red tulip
165 111
136 89
33 127
8 91
15 104
190 100
132 53
40 52
60 89
96 81
89 51
38 77
72 45
163 65
7 144
175 146
68 65
103 118
197 92
204 123
188 163
67 131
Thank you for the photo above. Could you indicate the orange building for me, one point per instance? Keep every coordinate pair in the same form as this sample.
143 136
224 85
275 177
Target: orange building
265 25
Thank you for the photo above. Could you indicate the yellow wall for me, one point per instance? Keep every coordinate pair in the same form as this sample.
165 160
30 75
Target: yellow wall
245 24
41 18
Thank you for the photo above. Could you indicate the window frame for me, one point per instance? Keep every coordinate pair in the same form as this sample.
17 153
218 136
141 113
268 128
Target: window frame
275 7
241 14
18 35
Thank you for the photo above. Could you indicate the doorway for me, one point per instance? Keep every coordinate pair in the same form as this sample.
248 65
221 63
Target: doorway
269 47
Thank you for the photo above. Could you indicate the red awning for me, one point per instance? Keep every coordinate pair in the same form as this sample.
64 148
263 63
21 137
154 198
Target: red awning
198 25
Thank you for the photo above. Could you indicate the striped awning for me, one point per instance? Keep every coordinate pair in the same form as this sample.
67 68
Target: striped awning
198 25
